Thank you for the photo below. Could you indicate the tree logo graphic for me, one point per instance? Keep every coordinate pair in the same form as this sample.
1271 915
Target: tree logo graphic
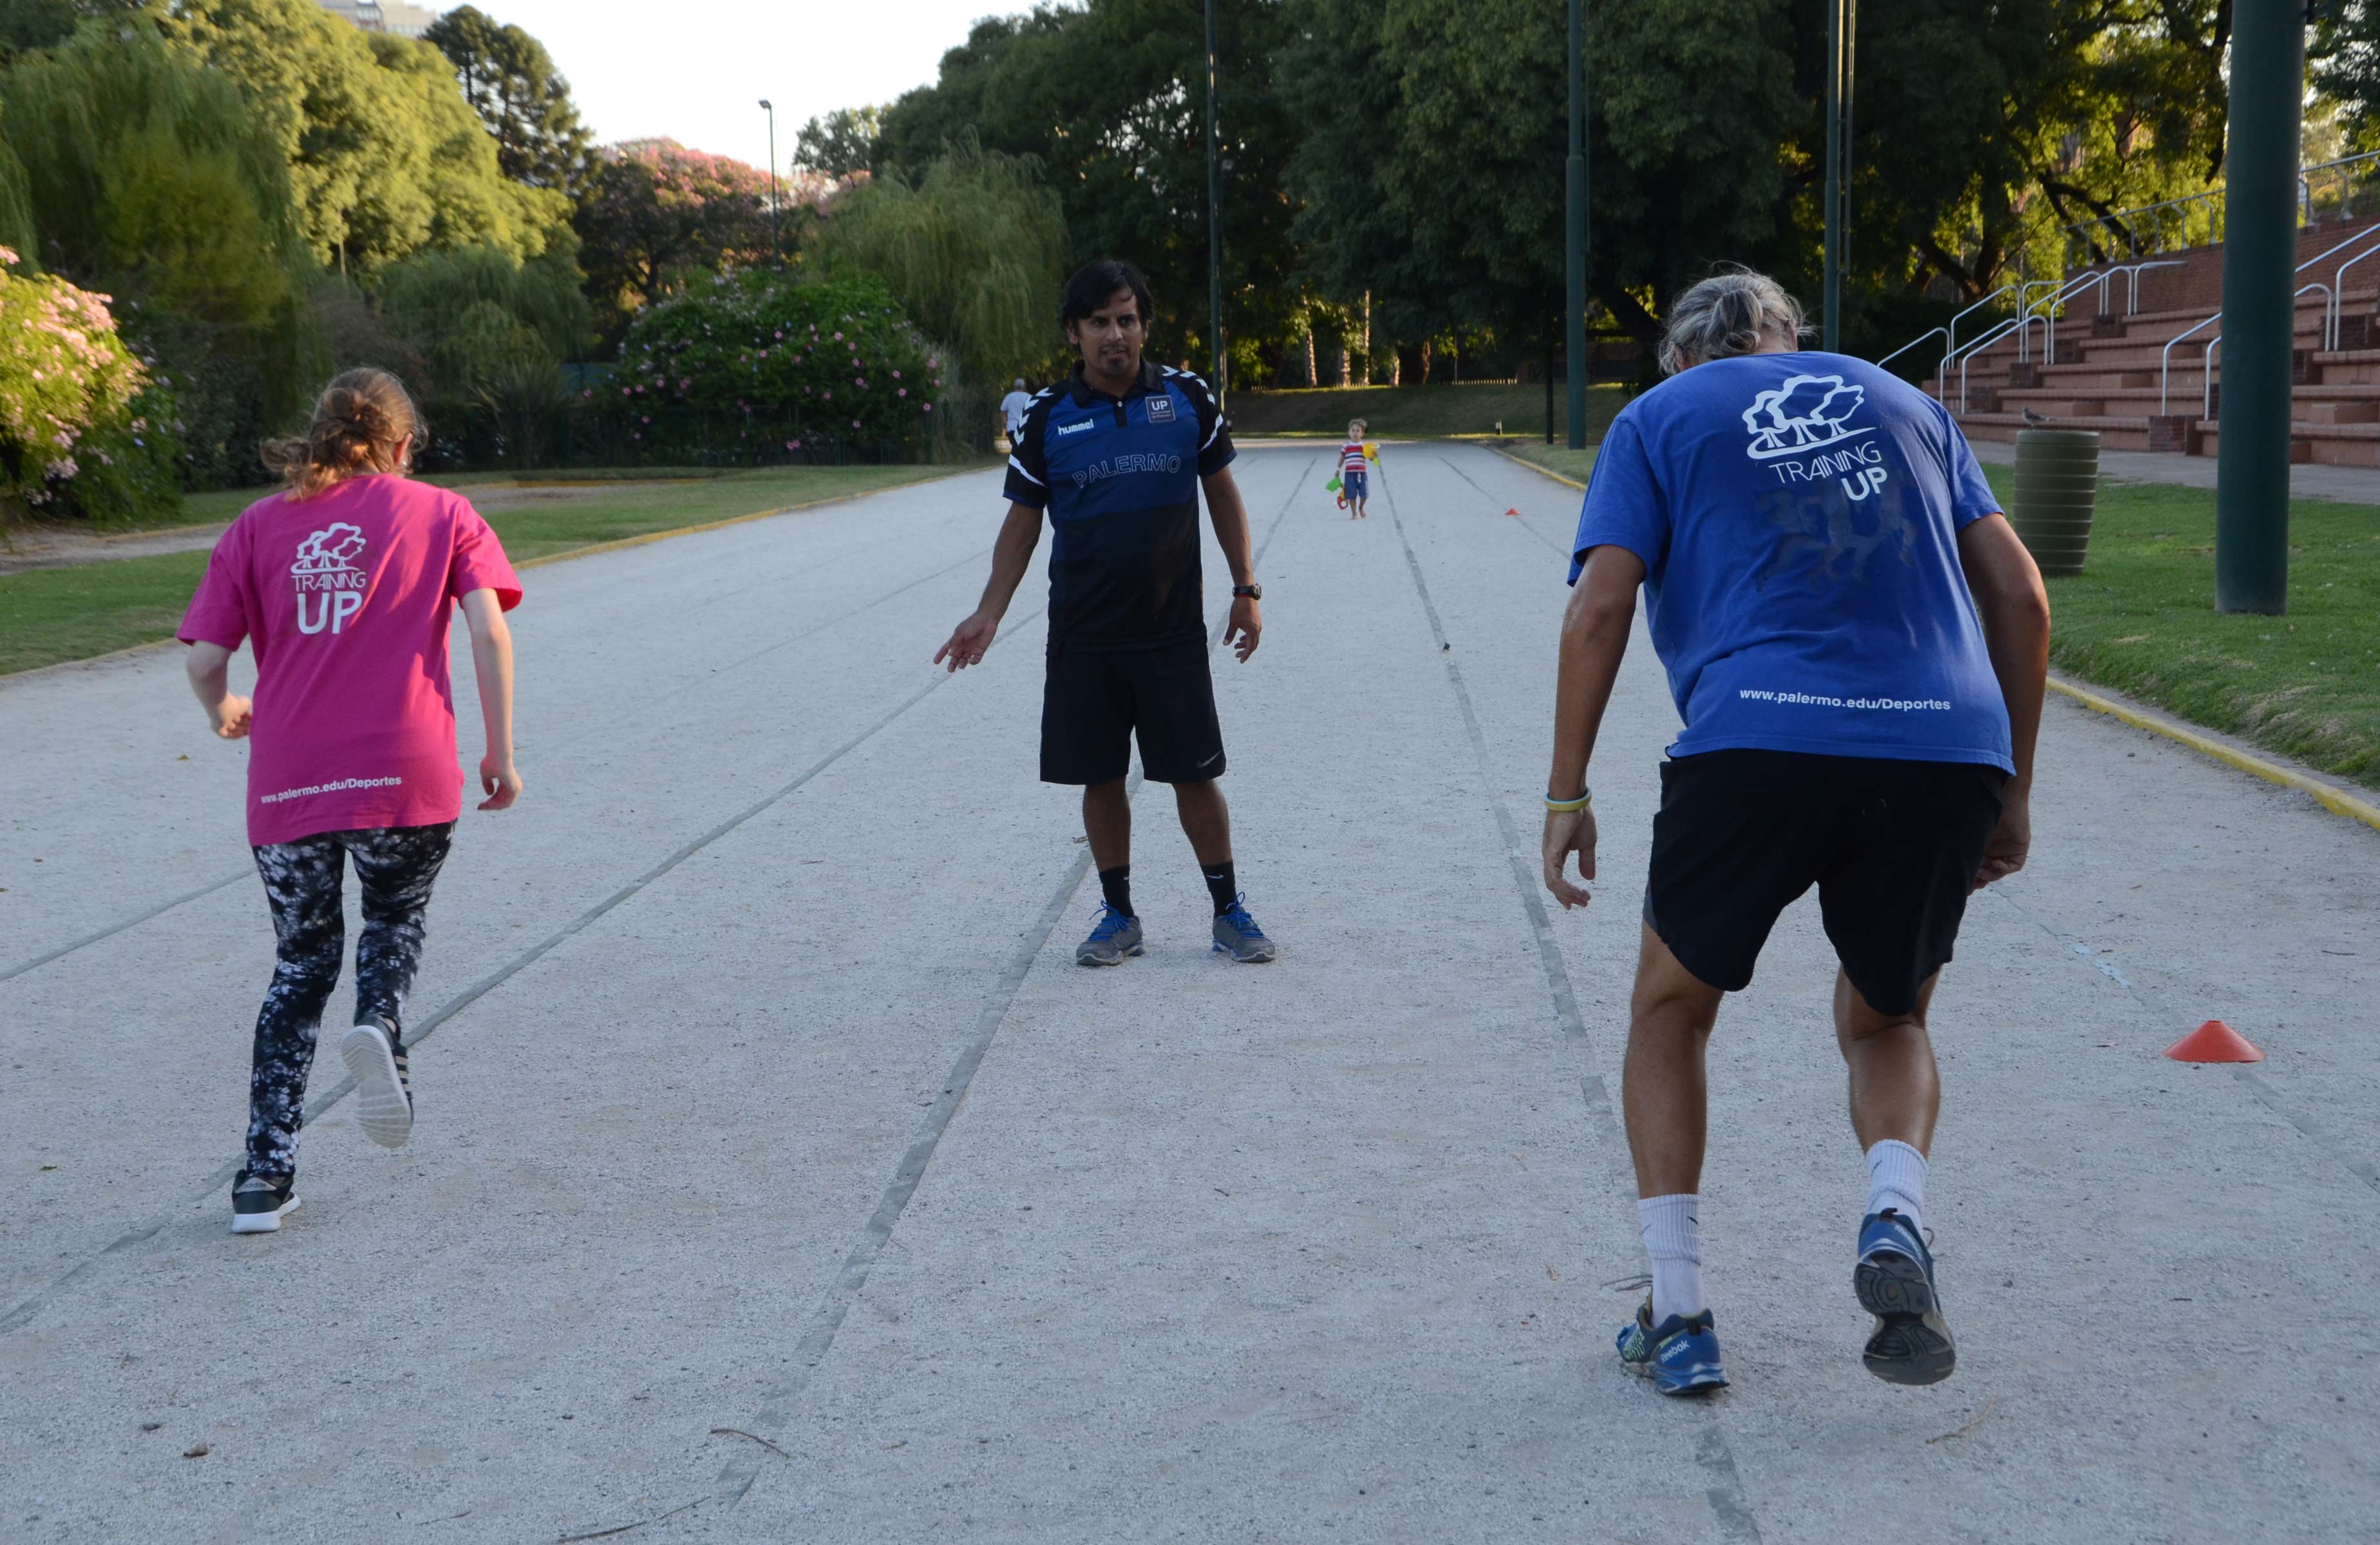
331 548
1808 412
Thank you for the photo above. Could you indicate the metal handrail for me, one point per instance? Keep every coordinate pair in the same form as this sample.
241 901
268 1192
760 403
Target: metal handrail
1913 344
2207 379
2047 309
2338 280
2164 357
2132 273
1964 355
2127 220
1976 307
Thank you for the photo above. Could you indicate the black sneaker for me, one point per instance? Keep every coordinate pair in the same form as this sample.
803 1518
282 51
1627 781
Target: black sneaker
383 1083
259 1202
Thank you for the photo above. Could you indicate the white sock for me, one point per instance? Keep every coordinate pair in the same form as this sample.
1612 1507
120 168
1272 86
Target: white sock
1672 1230
1896 1180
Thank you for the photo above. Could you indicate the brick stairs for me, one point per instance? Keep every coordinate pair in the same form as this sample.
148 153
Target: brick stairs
2104 370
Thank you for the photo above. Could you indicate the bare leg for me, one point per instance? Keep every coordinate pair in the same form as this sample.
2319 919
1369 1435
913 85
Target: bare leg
1663 1093
1107 821
1894 1090
1206 820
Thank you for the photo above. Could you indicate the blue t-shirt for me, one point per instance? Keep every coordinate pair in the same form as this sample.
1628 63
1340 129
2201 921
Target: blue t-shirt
1798 516
1119 477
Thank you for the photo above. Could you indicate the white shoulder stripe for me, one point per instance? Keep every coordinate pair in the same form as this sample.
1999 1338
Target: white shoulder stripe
1019 468
1212 433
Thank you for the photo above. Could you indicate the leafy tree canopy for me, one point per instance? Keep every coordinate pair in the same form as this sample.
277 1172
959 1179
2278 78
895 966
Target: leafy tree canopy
510 81
840 145
656 215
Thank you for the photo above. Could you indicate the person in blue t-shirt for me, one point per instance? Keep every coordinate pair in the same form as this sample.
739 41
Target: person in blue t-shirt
1857 643
1117 456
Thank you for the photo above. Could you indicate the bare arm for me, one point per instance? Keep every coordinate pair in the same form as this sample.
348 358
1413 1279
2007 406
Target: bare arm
492 663
208 666
1012 553
1593 640
2015 611
1228 515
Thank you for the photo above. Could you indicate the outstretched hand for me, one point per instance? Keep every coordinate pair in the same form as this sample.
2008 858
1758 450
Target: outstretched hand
968 641
1568 832
1244 626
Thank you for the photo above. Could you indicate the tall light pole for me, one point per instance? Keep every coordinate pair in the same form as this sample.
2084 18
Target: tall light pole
775 250
1214 221
1575 222
2252 464
1843 21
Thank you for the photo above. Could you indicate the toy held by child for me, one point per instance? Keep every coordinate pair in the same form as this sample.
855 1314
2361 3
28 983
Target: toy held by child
343 587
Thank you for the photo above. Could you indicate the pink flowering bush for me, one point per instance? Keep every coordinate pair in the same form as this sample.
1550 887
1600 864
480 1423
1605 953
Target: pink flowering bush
828 359
81 428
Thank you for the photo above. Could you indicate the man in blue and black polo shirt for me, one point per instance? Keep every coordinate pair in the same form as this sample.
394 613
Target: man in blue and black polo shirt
1116 455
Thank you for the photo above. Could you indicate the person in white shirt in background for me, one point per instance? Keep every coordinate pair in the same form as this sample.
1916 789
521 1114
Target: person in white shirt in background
1012 410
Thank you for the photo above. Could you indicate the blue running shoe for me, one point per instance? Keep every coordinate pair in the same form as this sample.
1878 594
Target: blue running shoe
1894 1280
1681 1356
1113 937
1236 935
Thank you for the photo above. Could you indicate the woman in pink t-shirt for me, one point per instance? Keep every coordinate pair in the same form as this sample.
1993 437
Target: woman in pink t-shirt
343 587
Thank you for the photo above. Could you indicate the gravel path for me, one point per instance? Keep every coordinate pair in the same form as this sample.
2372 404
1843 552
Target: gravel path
780 1179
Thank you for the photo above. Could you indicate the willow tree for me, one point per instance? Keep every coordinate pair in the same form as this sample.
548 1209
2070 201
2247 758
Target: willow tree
973 247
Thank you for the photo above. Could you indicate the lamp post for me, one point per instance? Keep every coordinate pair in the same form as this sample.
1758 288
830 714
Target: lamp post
1843 19
769 107
1575 222
2252 462
1214 221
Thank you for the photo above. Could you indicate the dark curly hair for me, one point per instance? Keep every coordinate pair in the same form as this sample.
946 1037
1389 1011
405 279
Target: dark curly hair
360 420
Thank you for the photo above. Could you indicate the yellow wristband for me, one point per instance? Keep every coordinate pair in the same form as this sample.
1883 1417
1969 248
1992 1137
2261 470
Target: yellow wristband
1586 798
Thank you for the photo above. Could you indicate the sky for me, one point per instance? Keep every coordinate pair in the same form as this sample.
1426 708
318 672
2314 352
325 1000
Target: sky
695 70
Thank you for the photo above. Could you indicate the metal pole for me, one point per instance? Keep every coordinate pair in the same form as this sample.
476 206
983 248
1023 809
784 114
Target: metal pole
1843 21
2251 476
776 245
1574 212
1214 221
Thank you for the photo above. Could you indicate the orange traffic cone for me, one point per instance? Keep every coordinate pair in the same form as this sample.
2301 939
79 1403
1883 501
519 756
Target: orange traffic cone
1513 512
2213 1041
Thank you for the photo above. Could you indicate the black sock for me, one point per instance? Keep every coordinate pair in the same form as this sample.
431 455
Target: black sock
1116 885
1222 883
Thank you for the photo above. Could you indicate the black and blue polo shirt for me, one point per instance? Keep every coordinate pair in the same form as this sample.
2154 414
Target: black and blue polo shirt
1119 477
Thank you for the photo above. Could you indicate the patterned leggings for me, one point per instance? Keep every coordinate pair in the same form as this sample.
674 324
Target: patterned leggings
395 868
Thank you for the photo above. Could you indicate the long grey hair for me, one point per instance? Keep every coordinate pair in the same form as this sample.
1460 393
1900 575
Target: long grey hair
1728 314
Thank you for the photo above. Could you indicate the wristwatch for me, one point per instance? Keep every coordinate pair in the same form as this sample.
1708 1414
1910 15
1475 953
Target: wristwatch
1253 592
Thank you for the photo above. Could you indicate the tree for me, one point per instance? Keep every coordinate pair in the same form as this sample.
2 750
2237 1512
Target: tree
972 249
510 81
840 145
372 129
1111 101
656 213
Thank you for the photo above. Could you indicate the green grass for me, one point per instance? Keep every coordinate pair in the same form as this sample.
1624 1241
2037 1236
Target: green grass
1557 457
1419 412
2141 619
48 616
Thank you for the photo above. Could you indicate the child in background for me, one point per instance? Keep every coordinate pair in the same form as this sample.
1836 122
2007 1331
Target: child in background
344 586
1351 469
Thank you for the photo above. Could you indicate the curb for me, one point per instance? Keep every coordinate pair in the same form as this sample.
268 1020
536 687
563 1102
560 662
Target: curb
2331 797
588 551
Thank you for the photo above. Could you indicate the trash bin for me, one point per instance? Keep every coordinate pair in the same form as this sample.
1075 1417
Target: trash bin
2057 486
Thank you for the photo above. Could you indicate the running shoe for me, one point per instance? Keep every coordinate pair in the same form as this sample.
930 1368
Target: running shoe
1894 1280
1681 1356
258 1203
1236 935
1113 937
383 1084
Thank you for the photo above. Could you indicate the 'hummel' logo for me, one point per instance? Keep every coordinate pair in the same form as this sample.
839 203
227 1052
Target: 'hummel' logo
1071 428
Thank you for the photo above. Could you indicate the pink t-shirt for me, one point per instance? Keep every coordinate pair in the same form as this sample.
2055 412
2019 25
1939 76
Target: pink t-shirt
344 600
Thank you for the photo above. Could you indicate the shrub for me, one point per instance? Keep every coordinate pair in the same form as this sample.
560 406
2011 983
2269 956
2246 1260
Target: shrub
82 429
832 360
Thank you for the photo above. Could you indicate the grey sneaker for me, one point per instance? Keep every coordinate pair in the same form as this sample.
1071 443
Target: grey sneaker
1113 937
1236 935
383 1084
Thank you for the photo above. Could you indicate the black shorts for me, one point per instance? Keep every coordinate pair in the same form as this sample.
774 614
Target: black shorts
1095 700
1892 846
